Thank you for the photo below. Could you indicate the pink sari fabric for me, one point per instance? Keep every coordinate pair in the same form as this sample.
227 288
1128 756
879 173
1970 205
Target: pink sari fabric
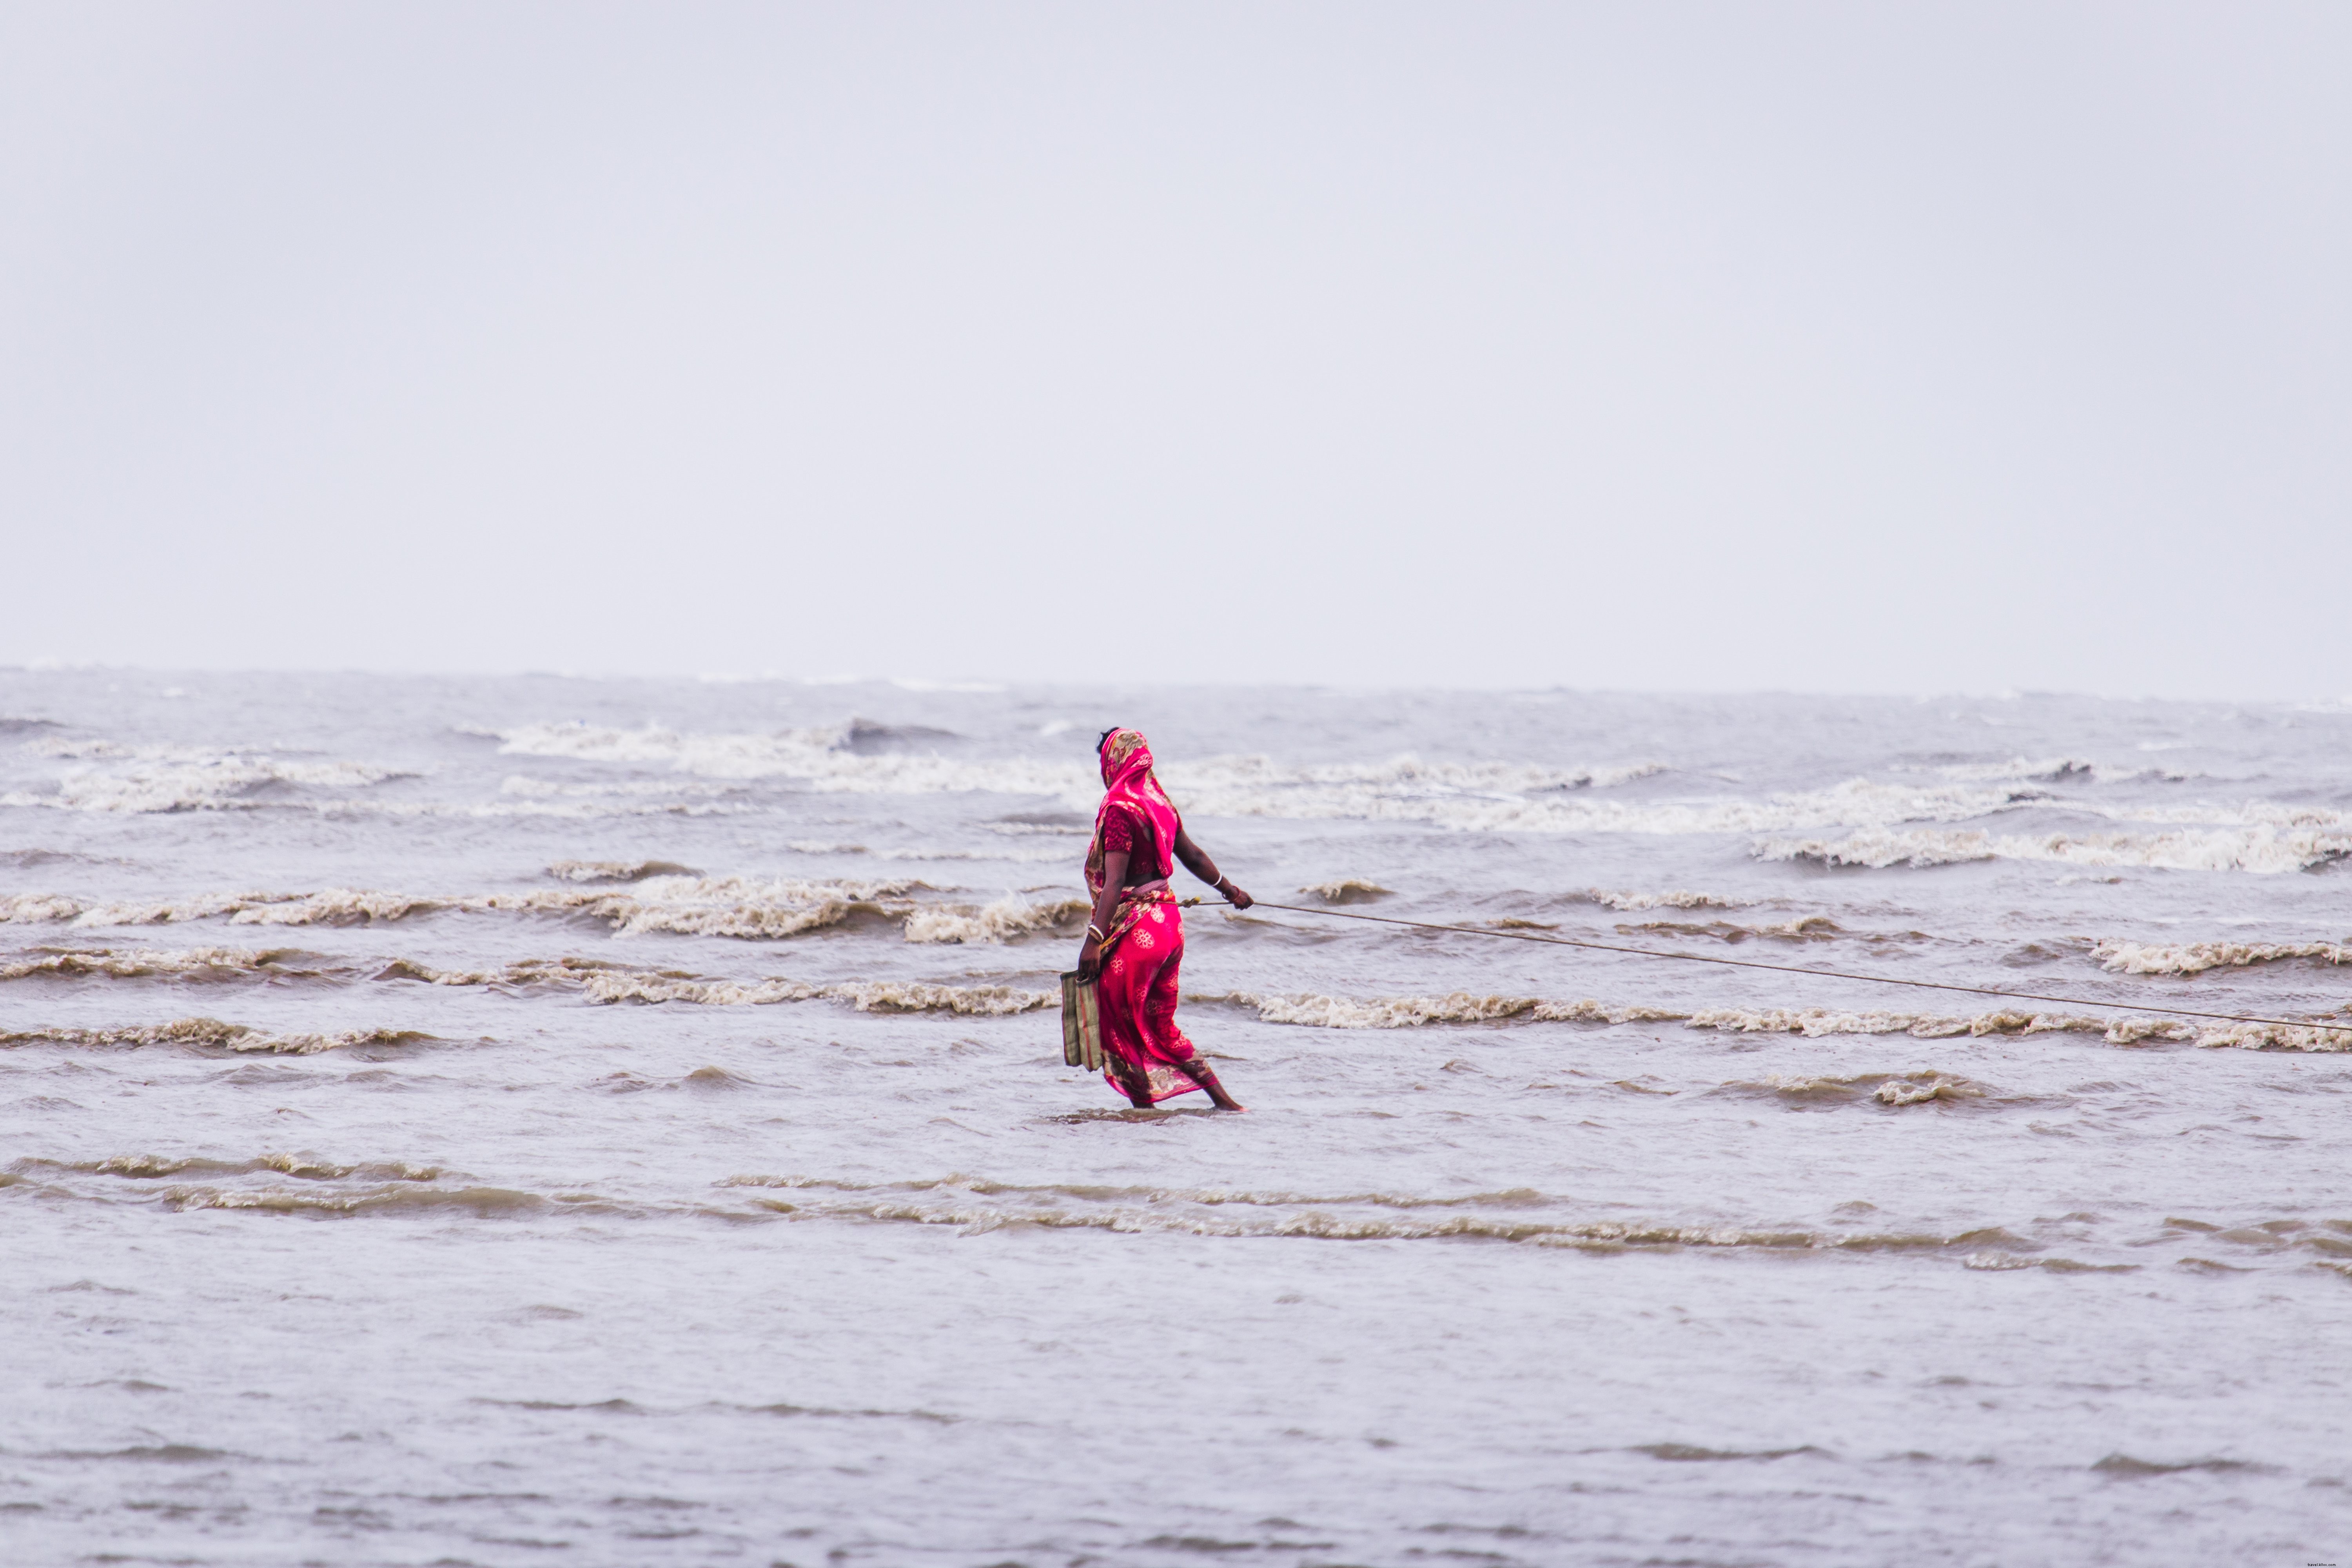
1144 947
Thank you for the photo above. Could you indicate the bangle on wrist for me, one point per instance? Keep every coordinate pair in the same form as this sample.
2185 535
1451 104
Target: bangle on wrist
1094 933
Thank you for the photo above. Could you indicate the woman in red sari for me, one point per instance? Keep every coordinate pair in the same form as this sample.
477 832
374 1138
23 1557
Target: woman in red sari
1135 934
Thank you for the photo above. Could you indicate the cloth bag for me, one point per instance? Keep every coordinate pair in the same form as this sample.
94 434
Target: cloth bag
1081 1023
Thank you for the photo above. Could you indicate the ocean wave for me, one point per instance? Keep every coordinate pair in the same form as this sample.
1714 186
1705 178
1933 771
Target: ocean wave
617 871
748 906
1517 1215
1629 902
180 778
2063 770
1498 799
743 906
827 760
1411 1012
2263 850
1813 1023
1007 920
521 975
155 1167
2196 957
1804 928
1467 796
1064 856
211 1034
1471 796
866 996
1816 1022
598 981
1347 890
194 963
531 788
1920 1086
398 1198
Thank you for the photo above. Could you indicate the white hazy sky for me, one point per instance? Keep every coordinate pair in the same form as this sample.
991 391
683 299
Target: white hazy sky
1863 347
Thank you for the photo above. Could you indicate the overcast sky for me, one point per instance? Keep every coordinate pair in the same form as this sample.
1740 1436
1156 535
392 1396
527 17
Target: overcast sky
1892 347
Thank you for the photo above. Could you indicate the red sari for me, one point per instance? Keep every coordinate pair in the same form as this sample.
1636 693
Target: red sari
1144 947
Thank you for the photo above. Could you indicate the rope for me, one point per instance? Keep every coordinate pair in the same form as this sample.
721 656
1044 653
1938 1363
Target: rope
1776 968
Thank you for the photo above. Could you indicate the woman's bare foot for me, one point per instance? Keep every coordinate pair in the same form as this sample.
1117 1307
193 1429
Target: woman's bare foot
1200 1073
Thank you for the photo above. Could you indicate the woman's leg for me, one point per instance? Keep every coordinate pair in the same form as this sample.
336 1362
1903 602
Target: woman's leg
1160 1010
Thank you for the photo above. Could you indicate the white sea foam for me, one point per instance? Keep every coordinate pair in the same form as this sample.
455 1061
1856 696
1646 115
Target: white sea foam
1466 1008
615 870
1816 1022
866 996
1631 901
746 907
1062 855
2276 1037
203 962
2264 850
1007 920
1455 795
2196 957
179 778
817 758
213 1033
2063 770
1411 1012
1504 797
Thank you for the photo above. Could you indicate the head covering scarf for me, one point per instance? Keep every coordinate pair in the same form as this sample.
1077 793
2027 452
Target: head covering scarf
1132 790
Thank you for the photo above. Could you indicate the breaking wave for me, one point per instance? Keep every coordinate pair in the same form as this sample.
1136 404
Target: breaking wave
179 778
1465 1007
1471 796
1410 1011
1921 1085
1629 902
747 907
597 980
2063 770
1007 920
154 1167
1804 928
194 963
977 1205
211 1034
866 996
617 870
2264 850
1347 890
2196 957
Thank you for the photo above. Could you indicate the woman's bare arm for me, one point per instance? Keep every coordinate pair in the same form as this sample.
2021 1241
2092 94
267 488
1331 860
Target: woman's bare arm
1201 866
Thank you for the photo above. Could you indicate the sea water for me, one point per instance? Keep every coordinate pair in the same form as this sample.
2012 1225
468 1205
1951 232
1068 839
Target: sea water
544 1121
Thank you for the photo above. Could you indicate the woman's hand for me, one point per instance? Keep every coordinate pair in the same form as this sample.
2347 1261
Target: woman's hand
1241 901
1089 958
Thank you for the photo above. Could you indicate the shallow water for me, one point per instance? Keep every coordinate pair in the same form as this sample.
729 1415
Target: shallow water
528 1121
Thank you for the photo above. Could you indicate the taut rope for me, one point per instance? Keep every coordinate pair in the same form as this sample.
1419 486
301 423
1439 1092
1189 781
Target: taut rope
1776 968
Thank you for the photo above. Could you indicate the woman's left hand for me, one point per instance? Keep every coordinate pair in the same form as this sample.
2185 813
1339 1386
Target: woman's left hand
1089 958
1241 901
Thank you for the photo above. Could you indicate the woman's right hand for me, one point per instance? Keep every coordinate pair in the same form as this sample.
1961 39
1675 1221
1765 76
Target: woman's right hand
1090 959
